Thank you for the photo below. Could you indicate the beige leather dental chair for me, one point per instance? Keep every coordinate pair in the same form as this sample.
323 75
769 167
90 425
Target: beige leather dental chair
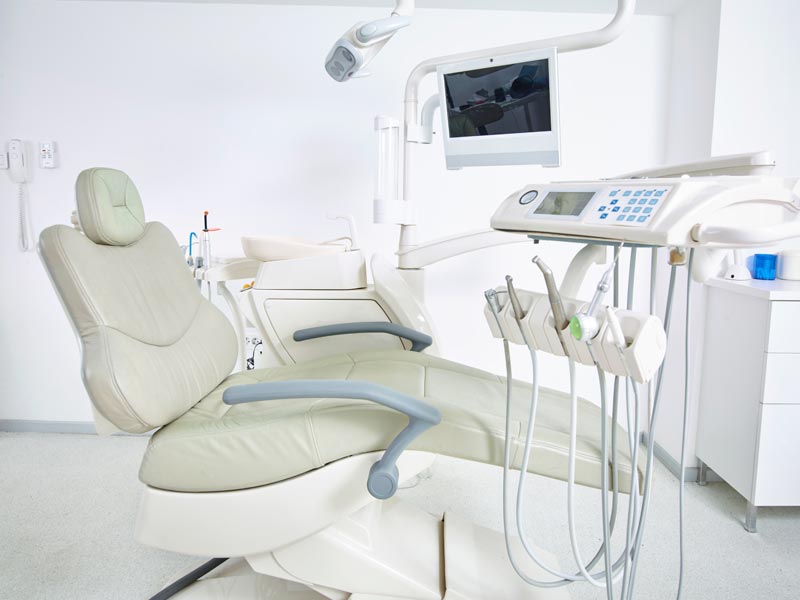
272 466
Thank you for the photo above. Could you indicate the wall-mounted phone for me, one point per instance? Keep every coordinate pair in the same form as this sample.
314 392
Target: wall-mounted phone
18 172
17 165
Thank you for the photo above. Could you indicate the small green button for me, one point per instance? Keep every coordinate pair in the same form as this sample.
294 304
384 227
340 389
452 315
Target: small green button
575 328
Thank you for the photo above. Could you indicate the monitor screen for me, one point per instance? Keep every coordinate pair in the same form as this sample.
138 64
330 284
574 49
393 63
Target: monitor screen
501 110
499 100
564 203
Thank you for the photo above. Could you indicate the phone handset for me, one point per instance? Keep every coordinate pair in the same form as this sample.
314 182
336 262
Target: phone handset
17 167
18 172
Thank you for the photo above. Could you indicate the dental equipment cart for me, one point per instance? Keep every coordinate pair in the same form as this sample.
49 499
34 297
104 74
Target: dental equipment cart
748 429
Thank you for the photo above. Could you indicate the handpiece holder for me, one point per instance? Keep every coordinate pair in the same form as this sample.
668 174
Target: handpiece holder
631 344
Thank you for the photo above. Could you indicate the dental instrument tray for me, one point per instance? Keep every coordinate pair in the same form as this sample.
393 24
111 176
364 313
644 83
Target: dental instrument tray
712 211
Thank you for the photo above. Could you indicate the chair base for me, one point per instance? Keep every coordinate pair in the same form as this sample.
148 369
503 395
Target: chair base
475 568
321 535
237 581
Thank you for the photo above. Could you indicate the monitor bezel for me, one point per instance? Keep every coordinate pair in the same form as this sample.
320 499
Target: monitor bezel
531 148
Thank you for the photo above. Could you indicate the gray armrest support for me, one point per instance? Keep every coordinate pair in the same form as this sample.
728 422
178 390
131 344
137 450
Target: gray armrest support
419 341
383 476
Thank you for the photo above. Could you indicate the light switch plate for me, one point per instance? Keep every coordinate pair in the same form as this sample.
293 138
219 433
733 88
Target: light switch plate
47 155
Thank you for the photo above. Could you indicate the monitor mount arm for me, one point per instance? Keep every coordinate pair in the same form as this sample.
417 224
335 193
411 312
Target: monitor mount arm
566 43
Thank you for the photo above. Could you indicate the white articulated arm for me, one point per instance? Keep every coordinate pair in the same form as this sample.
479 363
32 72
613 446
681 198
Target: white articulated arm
422 255
745 236
404 8
380 28
566 43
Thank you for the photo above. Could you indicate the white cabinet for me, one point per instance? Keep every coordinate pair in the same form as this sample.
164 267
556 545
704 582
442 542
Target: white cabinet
749 411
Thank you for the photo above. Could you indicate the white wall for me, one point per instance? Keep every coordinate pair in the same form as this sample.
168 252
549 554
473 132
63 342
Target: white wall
756 106
693 75
219 108
693 96
758 89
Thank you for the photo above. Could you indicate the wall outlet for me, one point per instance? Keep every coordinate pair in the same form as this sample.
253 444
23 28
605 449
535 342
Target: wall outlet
47 155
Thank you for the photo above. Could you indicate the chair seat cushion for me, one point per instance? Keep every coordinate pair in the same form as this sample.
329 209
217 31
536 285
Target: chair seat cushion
216 447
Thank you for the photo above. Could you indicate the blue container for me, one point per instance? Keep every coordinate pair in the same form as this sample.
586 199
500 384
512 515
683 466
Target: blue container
765 266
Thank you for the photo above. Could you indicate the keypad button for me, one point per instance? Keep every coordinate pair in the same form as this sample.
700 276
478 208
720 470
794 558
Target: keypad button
602 208
626 193
604 216
621 218
647 210
659 193
648 193
631 218
654 201
637 209
613 202
632 201
614 192
626 209
643 201
642 219
615 209
638 193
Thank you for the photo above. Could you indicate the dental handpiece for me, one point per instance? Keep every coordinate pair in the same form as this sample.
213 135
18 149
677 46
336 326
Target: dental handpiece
559 315
584 326
492 301
494 306
519 314
602 288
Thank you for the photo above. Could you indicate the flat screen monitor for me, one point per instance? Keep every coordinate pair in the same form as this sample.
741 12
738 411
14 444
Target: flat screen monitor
501 110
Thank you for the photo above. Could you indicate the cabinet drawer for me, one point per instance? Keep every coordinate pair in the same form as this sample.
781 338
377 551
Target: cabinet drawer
778 464
781 379
784 327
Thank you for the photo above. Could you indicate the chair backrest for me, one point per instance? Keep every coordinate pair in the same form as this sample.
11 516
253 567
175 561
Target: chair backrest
152 346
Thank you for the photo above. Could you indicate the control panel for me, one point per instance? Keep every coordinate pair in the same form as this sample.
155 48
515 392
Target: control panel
649 212
627 206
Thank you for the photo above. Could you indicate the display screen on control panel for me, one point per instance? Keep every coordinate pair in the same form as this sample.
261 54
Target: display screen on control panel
564 203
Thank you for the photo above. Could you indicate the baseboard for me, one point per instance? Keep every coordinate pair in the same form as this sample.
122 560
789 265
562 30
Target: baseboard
691 474
31 426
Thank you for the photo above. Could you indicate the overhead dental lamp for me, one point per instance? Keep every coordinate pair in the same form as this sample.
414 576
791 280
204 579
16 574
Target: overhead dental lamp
359 45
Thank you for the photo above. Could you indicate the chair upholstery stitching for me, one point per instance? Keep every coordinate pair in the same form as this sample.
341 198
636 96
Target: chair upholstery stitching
125 201
99 224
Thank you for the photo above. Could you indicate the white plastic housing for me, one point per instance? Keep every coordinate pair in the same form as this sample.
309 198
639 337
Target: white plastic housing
340 271
386 179
277 247
640 359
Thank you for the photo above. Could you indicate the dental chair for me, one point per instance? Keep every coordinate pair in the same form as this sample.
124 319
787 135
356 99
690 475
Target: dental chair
291 469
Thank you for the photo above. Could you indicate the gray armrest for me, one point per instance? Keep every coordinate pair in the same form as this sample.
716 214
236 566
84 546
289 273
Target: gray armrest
419 341
383 476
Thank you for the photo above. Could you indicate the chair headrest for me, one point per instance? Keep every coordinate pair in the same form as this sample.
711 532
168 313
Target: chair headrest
109 207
